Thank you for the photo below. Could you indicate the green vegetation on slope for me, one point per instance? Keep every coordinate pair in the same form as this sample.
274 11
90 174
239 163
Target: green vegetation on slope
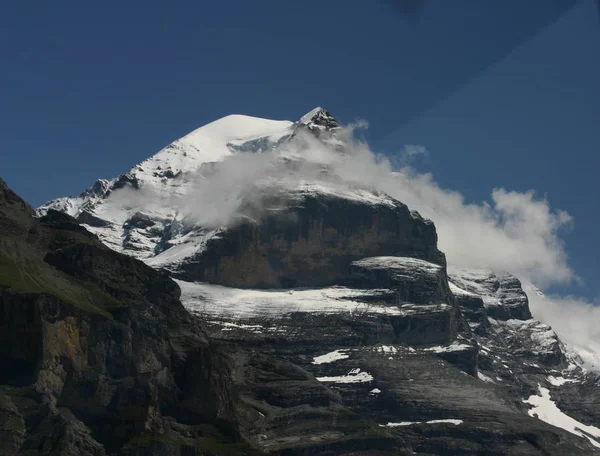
23 270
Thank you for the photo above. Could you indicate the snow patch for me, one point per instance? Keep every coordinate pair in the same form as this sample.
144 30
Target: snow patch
331 357
408 423
559 381
228 326
450 421
546 410
354 376
455 346
398 263
484 378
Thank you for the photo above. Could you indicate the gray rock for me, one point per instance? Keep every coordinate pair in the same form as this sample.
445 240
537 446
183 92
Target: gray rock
310 243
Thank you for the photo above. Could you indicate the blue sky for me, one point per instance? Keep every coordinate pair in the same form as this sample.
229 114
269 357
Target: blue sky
502 94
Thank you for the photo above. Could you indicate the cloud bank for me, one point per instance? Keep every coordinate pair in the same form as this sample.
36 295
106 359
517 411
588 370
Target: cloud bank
574 319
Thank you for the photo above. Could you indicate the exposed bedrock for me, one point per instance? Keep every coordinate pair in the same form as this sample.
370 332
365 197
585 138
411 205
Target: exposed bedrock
311 243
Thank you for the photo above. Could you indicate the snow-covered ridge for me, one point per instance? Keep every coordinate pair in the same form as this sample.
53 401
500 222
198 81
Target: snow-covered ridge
209 143
584 351
157 210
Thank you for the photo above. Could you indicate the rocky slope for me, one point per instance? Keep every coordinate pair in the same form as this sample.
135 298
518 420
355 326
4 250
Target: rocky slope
406 361
98 355
322 317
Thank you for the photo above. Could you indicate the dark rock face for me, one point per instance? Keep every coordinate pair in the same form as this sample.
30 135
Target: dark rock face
427 311
472 309
504 297
361 380
91 220
414 281
283 409
311 243
422 325
98 355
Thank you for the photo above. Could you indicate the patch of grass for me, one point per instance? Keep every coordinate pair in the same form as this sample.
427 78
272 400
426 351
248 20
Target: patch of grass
15 424
214 441
214 444
147 438
222 448
23 270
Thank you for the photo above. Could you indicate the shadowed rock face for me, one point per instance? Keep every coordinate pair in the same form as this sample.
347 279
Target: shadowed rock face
98 354
311 243
502 295
329 378
427 310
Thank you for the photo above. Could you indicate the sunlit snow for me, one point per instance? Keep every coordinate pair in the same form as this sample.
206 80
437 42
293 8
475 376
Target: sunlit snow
559 381
238 303
331 357
455 346
546 410
408 423
354 376
484 378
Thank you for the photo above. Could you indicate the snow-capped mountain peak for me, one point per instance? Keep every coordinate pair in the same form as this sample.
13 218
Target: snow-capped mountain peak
319 118
135 212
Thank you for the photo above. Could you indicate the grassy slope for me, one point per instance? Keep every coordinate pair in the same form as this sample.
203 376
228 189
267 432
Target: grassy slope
23 270
24 241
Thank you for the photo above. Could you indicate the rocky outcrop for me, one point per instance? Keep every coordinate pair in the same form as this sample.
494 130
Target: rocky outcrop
502 294
426 309
311 242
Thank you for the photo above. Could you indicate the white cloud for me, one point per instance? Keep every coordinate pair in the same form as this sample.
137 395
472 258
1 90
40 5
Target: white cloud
409 153
514 231
574 319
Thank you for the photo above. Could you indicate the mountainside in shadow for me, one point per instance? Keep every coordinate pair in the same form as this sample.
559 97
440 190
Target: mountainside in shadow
98 355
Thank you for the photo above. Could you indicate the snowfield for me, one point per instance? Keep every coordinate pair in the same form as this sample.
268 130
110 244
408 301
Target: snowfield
239 303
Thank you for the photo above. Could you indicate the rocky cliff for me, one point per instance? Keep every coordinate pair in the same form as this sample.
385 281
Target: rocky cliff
311 241
98 355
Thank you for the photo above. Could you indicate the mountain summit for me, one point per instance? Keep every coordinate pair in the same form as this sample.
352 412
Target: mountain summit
159 209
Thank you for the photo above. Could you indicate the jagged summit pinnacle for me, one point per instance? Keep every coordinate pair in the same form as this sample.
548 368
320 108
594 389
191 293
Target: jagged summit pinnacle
319 118
310 114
